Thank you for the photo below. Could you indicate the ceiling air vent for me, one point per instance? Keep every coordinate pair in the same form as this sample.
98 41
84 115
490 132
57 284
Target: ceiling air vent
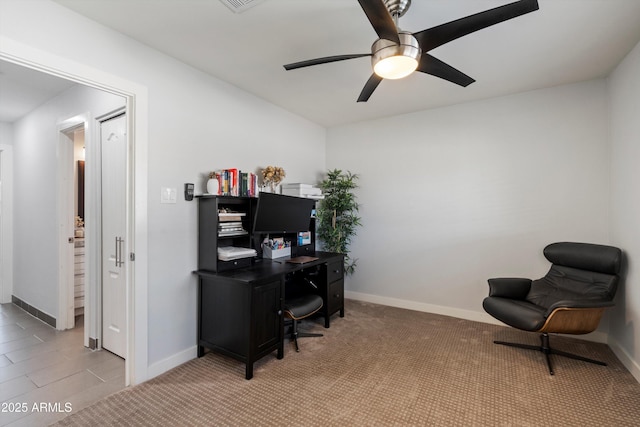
239 6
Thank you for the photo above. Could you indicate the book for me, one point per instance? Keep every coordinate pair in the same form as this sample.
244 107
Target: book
232 233
230 224
229 253
244 184
302 259
226 229
231 216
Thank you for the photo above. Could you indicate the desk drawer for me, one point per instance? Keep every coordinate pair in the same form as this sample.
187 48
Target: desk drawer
236 263
335 271
335 297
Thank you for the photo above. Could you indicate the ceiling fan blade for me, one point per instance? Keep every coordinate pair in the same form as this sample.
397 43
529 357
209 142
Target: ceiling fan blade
437 36
324 60
431 65
380 19
369 87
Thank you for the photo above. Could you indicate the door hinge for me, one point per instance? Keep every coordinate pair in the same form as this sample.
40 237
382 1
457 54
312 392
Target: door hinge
132 256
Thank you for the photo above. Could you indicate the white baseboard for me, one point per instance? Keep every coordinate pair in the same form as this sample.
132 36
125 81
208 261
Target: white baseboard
476 316
424 307
625 358
171 362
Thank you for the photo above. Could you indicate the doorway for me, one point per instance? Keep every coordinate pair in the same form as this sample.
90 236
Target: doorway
72 276
137 104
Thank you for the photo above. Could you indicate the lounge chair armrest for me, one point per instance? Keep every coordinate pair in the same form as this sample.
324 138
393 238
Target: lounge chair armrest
509 287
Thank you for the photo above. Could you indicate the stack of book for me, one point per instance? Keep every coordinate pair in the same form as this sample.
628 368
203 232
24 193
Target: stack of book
302 190
229 253
233 182
226 229
230 224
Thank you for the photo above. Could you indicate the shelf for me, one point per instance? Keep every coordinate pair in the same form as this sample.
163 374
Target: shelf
233 233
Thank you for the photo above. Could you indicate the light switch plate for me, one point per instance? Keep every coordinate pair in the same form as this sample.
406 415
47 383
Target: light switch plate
168 195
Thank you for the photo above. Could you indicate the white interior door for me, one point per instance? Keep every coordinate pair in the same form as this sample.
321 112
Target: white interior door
114 158
65 319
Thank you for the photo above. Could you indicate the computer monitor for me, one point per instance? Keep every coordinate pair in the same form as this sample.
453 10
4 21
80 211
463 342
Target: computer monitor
277 213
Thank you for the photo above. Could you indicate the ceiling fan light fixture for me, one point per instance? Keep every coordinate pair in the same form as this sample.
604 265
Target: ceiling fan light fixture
393 61
395 67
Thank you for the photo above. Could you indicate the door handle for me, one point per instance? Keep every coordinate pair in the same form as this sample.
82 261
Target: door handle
119 260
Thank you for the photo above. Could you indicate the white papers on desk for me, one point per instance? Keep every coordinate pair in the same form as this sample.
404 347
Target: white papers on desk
229 253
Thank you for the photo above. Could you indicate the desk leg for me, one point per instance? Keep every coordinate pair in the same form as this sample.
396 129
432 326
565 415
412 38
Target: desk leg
342 312
200 351
327 321
248 372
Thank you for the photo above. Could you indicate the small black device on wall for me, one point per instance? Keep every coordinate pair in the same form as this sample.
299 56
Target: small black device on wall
188 191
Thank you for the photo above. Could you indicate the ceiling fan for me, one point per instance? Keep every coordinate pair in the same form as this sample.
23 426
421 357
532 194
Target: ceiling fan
397 53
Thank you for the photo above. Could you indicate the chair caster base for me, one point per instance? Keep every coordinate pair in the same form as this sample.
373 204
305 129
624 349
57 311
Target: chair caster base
294 334
545 348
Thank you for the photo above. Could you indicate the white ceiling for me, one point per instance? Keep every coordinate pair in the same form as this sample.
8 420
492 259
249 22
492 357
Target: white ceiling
23 89
565 41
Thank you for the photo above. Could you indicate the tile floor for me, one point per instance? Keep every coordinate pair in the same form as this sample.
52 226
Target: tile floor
46 374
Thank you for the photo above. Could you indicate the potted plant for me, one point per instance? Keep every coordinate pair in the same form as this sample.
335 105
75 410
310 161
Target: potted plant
337 214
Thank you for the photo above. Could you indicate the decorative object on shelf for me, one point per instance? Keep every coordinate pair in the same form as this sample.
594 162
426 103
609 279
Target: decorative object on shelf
337 214
213 185
79 229
272 176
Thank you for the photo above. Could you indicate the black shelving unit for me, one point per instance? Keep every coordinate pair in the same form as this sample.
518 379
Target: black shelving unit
209 237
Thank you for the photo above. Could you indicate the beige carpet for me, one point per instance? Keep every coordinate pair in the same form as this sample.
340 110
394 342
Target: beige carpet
383 366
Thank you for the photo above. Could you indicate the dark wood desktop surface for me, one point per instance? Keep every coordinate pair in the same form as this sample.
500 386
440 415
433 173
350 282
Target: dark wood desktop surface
265 269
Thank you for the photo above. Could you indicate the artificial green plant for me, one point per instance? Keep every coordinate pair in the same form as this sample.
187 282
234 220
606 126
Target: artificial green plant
337 214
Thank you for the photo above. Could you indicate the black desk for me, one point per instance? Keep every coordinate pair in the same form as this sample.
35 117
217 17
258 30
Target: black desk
240 312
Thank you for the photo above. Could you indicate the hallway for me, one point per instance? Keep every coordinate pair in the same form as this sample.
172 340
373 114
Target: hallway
47 374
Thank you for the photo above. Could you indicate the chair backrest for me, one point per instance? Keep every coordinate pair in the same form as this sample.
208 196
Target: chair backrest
579 271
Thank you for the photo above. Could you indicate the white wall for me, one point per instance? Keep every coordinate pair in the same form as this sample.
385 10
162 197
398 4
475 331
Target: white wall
452 196
624 105
6 133
196 123
6 214
36 139
199 124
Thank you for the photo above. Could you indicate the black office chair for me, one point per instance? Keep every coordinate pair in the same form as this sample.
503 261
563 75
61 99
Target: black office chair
299 308
301 301
570 299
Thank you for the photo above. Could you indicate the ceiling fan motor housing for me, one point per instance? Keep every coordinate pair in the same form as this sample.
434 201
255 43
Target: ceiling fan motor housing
407 51
397 7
